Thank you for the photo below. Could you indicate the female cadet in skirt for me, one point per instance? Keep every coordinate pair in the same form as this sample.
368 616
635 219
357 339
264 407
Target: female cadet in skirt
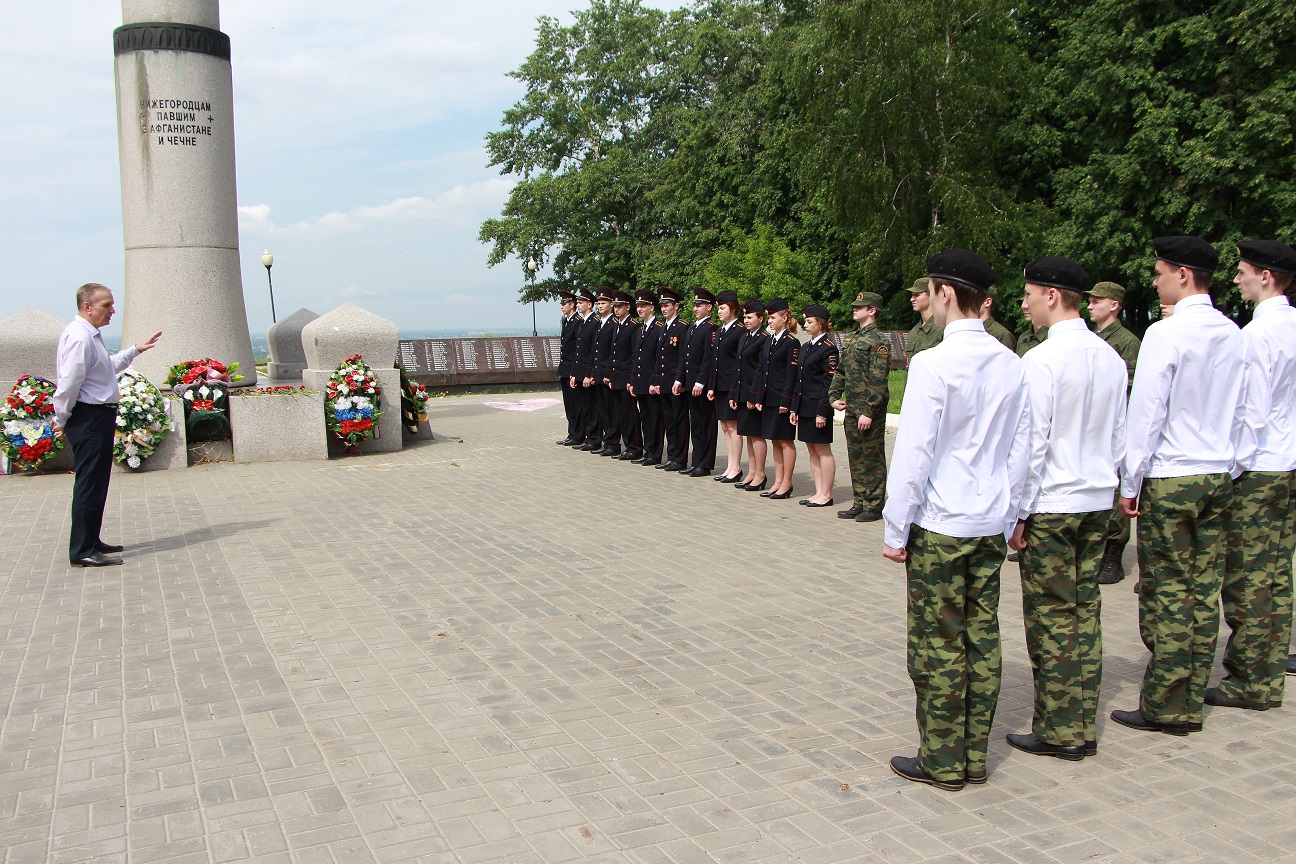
774 393
811 411
723 377
751 349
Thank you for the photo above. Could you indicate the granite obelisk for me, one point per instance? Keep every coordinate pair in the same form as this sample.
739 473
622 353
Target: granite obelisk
175 132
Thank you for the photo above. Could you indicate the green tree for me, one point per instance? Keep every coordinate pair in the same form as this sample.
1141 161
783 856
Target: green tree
761 266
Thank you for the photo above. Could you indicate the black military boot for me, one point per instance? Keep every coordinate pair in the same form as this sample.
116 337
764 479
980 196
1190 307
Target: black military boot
1112 570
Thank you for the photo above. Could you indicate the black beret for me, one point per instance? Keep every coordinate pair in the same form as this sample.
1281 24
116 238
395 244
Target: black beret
755 306
815 311
960 265
727 297
585 294
1269 255
1054 271
1185 250
701 295
643 295
778 304
669 295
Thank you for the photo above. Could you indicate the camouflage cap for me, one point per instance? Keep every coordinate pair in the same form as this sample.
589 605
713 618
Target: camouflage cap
920 286
1109 290
868 298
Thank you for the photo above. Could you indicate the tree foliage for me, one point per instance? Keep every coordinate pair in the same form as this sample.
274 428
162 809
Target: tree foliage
822 147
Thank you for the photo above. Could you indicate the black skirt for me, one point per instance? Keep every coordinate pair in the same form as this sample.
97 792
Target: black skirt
777 425
749 422
723 411
808 432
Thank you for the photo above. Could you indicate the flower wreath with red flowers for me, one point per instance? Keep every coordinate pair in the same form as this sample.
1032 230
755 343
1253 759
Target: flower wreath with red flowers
414 398
28 418
351 402
198 371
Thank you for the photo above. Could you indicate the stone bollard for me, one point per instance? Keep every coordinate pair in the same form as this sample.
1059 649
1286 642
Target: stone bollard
346 331
287 359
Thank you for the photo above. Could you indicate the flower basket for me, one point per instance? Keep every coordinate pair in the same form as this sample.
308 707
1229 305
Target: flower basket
351 403
142 419
206 411
28 422
413 402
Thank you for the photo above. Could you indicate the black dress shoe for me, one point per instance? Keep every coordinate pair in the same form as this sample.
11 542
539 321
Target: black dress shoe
1028 743
737 478
1136 720
588 447
96 559
827 503
629 456
868 516
651 463
854 511
674 466
108 547
1220 699
781 496
698 472
907 767
567 442
750 488
608 451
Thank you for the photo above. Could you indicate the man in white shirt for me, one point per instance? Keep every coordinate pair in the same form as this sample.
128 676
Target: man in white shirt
1183 431
1257 593
1077 441
953 496
85 408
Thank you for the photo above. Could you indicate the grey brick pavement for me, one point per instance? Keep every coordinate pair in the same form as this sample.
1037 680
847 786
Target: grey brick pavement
505 651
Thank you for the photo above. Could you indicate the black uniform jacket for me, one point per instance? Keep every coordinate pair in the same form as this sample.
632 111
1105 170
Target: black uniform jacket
751 352
643 349
698 356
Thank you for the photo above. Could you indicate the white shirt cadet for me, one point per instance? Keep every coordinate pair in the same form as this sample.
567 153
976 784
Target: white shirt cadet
1077 398
85 370
1183 408
1269 412
966 403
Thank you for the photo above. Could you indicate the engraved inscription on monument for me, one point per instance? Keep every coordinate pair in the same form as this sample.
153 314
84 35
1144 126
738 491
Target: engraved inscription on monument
176 122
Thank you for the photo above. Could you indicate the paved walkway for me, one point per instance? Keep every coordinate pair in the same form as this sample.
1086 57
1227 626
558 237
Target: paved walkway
499 650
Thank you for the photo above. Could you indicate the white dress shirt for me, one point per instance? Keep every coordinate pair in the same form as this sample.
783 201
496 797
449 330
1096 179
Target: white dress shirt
85 370
1077 406
960 456
1183 408
1269 427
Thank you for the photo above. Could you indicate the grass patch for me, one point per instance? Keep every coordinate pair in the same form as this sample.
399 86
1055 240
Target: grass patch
896 385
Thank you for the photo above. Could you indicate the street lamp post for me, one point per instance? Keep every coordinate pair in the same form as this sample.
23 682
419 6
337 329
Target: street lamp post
531 270
268 260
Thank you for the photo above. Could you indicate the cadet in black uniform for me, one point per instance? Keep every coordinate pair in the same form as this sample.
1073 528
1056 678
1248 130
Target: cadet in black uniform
773 392
643 348
566 360
608 421
751 351
674 408
620 365
691 379
724 370
812 412
583 370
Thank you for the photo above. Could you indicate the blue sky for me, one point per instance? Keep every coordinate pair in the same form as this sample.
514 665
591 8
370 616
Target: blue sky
359 145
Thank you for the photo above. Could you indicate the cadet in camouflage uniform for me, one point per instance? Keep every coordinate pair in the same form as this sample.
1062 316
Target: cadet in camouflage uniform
994 328
1257 593
1077 409
954 489
1106 299
1031 336
926 333
1183 429
860 389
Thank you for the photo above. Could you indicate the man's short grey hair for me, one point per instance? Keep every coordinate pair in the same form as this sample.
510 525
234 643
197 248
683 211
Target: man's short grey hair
87 292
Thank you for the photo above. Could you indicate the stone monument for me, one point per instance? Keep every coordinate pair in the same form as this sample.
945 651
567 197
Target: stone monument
287 358
28 345
350 330
175 133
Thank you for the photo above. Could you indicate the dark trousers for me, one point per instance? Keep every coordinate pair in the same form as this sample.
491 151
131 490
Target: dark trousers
90 432
702 430
572 405
675 426
650 429
627 421
609 421
590 416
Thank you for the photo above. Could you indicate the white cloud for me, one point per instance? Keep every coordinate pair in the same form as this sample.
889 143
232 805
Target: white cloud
460 298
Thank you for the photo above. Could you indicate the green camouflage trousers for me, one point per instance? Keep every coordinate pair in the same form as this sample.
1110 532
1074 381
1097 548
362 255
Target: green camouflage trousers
1118 527
1062 606
1257 593
866 452
954 650
1181 567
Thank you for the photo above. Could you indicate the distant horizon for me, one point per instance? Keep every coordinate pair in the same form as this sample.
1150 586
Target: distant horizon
261 348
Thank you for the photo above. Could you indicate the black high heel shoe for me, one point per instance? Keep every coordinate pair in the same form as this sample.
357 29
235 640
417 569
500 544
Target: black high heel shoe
737 478
780 496
751 488
827 503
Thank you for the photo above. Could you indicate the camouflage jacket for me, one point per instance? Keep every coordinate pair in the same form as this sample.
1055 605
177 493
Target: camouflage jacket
924 335
861 377
1029 338
1125 343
